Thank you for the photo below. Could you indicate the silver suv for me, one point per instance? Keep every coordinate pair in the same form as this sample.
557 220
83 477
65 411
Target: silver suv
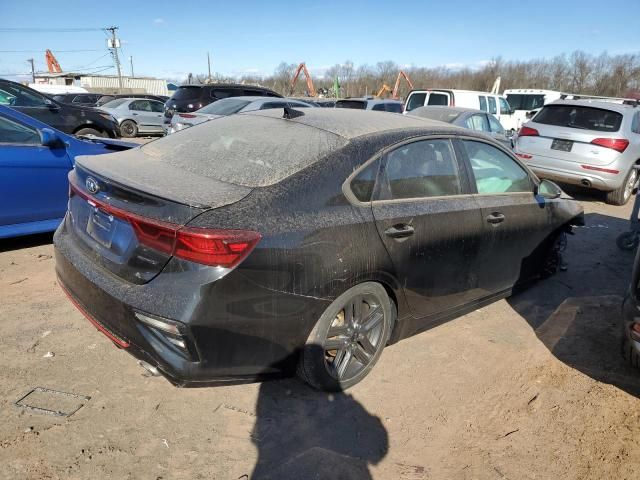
594 144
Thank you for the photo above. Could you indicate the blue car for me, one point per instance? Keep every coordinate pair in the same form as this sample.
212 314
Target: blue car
34 162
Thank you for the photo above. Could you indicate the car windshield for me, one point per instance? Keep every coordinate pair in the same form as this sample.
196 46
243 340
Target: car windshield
248 150
187 93
226 106
584 118
357 104
114 103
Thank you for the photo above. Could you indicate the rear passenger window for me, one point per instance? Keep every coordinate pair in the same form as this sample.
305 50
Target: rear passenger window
362 185
492 105
220 93
495 125
483 102
394 107
494 170
380 107
438 99
478 122
422 169
416 100
635 124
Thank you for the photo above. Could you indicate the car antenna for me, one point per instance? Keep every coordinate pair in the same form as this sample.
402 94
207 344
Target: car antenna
290 113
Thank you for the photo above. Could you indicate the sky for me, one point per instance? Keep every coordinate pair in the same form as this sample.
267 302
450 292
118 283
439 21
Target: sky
169 39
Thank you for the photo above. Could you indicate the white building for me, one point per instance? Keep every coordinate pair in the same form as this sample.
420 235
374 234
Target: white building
105 83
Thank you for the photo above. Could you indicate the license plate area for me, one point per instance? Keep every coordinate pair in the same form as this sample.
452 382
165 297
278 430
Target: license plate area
100 226
561 145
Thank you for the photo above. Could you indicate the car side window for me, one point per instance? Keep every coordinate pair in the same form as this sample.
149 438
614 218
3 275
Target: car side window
422 169
478 123
220 93
483 102
416 100
269 105
16 133
379 107
505 108
363 184
635 123
492 105
496 126
156 107
494 170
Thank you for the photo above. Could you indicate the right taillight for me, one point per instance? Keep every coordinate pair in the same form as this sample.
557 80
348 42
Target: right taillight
186 115
214 247
528 132
618 144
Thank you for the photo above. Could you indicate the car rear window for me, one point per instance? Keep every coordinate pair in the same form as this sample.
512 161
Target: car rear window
356 104
226 106
246 149
187 93
584 118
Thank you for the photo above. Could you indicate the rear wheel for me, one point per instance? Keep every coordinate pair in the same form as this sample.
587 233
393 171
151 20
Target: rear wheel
90 131
629 353
348 339
128 129
622 195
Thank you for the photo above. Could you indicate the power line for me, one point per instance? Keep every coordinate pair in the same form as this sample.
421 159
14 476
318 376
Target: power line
53 30
52 49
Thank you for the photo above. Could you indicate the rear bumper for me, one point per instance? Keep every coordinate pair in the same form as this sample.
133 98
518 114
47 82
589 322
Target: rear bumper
240 331
572 173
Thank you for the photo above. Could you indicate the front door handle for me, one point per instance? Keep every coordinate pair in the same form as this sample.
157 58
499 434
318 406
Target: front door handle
495 218
399 231
134 114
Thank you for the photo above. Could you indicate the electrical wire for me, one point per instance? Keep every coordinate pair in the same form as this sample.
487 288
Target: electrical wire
53 30
52 49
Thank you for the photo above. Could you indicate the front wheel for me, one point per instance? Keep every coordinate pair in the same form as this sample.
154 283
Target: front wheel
621 195
348 339
128 129
90 131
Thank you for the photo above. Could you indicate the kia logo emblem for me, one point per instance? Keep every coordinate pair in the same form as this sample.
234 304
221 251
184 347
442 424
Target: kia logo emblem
92 185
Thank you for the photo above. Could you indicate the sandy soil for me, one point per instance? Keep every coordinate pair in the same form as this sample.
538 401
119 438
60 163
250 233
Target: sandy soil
532 387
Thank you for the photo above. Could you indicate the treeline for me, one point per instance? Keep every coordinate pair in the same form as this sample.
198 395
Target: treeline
579 72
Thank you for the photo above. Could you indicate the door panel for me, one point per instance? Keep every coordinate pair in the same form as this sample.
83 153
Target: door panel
429 225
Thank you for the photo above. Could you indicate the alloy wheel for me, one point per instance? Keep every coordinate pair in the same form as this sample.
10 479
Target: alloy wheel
633 175
354 337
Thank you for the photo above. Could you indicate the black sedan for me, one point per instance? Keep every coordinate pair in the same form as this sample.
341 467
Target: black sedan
264 244
470 118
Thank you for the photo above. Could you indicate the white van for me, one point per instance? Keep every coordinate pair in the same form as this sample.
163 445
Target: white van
525 101
488 102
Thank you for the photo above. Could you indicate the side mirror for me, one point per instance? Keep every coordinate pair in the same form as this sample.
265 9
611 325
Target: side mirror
50 139
548 189
50 104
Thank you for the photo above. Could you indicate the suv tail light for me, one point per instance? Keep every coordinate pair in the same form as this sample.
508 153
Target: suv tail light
186 115
618 144
215 247
528 132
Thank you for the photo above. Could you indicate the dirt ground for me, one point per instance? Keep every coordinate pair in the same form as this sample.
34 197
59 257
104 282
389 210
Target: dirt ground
532 387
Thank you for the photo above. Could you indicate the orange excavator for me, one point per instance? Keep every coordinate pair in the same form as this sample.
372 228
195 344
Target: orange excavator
52 63
394 93
311 91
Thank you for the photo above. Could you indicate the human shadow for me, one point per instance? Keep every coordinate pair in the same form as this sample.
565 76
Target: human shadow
577 313
301 433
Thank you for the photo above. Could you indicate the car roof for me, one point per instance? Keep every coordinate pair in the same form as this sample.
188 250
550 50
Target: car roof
369 99
351 123
444 114
615 107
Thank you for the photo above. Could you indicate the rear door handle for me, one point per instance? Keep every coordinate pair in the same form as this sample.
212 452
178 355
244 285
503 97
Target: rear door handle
495 217
399 231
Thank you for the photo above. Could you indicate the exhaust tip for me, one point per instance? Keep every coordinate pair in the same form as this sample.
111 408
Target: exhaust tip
585 183
151 370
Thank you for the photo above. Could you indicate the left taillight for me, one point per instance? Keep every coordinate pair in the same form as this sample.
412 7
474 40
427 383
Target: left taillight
214 247
618 144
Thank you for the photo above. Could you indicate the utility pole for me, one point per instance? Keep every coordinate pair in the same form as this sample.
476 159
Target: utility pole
114 46
209 67
131 61
33 71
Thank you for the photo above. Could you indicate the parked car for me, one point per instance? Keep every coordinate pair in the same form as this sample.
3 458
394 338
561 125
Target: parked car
34 162
467 118
256 245
370 103
631 317
487 102
82 99
588 143
76 120
110 97
229 106
525 103
189 98
136 115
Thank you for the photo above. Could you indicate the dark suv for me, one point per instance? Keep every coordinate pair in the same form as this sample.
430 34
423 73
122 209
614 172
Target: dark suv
81 99
189 98
76 120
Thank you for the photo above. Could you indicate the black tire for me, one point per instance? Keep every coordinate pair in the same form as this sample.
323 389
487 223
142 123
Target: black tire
129 129
628 241
629 353
363 333
90 131
622 195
